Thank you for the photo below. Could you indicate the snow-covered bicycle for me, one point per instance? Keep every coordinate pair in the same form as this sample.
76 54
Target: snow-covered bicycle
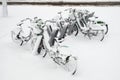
80 21
40 45
45 36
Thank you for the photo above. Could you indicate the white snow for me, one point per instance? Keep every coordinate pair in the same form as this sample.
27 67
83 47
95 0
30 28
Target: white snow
96 60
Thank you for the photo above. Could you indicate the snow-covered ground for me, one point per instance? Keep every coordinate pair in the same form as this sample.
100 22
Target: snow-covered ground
96 60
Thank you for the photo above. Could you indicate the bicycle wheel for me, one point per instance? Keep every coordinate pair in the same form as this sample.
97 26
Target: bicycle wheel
71 65
15 38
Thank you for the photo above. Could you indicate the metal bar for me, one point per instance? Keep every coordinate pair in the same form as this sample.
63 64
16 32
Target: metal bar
5 11
113 3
